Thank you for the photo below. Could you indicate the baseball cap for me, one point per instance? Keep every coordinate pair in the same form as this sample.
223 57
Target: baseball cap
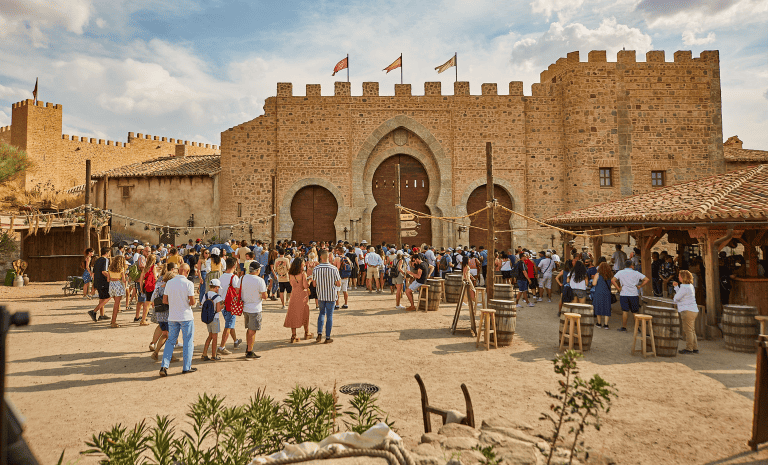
215 283
363 241
254 266
140 247
215 251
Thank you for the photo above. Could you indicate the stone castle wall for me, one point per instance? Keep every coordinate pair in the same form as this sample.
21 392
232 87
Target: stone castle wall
633 117
60 158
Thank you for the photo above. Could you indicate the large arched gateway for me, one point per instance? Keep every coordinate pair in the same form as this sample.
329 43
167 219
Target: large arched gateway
414 190
313 210
477 201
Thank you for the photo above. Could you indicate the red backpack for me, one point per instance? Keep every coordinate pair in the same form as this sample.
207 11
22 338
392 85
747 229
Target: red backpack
233 301
150 280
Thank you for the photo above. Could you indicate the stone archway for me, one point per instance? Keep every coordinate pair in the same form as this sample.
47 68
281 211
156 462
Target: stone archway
284 214
515 222
437 164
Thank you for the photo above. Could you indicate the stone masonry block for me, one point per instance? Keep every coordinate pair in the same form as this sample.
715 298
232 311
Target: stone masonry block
313 90
370 89
655 56
432 88
516 88
489 89
626 56
597 56
710 55
573 57
461 88
682 56
284 89
342 89
402 90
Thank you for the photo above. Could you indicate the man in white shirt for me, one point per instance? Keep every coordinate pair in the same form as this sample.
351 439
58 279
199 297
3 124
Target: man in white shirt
179 296
618 260
229 319
372 263
546 266
360 263
430 255
628 282
253 291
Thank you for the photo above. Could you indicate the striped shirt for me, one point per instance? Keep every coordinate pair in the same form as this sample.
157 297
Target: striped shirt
325 276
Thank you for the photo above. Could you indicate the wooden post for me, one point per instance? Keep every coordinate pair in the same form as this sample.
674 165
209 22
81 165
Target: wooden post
87 227
597 247
489 274
399 240
274 218
712 282
646 242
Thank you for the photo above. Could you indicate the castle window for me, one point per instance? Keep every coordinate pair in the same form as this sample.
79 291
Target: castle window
606 177
658 178
239 210
125 191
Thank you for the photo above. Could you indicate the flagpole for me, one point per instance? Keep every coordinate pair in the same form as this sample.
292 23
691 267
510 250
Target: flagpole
456 64
347 67
401 68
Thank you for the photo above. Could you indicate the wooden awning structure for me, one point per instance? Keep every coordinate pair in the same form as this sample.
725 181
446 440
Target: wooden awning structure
710 212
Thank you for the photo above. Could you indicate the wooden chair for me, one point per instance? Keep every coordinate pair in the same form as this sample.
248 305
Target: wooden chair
643 322
442 289
571 320
424 294
763 322
487 324
426 409
498 279
484 301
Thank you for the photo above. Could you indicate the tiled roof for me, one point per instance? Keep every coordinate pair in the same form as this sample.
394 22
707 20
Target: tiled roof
738 195
738 154
200 165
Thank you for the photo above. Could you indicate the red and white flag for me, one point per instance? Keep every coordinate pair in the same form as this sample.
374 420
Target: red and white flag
343 64
396 64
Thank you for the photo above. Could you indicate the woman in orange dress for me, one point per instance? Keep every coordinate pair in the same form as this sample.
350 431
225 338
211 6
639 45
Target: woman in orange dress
298 307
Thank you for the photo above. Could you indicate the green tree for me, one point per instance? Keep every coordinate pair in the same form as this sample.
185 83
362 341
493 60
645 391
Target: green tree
12 161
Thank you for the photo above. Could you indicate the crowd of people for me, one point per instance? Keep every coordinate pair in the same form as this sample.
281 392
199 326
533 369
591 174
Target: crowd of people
164 283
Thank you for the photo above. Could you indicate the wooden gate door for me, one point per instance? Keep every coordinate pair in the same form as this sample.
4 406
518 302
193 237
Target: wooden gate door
313 210
476 201
414 190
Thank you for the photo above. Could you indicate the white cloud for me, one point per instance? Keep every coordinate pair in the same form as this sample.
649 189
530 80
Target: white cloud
563 8
698 17
689 38
563 38
32 17
766 94
101 23
14 93
5 119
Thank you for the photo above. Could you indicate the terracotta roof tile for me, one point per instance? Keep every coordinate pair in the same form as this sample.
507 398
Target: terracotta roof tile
738 154
200 165
735 195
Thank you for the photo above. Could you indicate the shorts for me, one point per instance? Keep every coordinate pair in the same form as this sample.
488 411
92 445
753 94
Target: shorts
242 267
229 319
399 280
214 326
506 274
103 294
285 287
163 325
372 272
252 321
86 277
522 285
534 283
473 271
415 285
546 281
116 289
344 284
312 292
580 293
630 303
148 296
142 296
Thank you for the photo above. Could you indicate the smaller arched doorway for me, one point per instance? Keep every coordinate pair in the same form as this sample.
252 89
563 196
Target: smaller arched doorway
477 201
313 211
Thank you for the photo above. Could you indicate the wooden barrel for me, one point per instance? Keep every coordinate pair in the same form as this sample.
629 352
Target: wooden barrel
506 320
666 330
740 329
587 323
658 301
435 295
452 287
503 292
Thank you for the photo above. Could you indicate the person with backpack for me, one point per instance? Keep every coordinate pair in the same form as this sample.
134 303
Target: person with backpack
212 306
229 278
521 275
147 283
179 296
253 291
345 271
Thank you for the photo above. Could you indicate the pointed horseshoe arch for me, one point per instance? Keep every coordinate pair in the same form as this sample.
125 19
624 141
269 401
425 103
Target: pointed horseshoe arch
286 219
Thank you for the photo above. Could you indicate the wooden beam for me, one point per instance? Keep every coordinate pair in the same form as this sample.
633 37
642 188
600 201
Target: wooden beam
87 227
491 220
646 242
712 283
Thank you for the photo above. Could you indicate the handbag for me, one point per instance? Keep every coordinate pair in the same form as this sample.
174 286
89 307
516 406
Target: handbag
234 301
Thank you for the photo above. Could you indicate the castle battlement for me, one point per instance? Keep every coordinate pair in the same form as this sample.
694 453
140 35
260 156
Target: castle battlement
5 129
31 102
91 140
371 89
140 137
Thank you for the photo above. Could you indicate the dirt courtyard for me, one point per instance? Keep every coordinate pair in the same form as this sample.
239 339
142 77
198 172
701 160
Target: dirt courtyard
71 377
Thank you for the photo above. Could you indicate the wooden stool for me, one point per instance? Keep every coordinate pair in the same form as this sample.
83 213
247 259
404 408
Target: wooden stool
571 319
487 324
484 301
646 325
498 279
442 289
763 321
424 294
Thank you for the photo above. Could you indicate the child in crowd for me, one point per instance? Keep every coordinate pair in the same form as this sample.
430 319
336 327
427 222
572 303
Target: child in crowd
213 327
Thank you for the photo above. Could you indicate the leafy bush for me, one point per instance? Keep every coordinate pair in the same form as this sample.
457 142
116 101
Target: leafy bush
7 243
578 402
232 435
365 413
12 161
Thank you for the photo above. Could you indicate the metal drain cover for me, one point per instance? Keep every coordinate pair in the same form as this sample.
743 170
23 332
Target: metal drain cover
353 389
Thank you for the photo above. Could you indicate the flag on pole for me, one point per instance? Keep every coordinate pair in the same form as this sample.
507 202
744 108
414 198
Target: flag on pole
340 65
34 92
396 64
448 64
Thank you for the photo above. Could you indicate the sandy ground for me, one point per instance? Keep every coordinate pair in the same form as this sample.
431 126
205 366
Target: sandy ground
71 377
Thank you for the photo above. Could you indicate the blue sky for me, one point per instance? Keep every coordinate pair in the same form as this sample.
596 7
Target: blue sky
190 69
